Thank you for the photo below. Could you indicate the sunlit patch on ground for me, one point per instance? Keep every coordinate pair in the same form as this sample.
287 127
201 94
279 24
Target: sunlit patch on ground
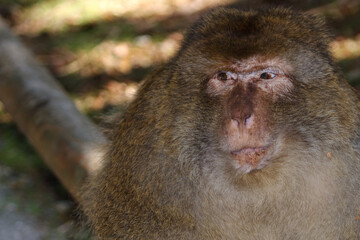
346 48
114 93
59 15
118 58
113 57
4 116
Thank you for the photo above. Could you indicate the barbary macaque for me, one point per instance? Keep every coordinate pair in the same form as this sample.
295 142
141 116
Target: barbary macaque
249 132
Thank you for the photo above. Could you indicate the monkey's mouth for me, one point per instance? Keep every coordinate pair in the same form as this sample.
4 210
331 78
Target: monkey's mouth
248 159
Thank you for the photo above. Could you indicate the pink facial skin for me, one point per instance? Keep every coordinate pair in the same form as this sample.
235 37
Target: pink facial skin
247 88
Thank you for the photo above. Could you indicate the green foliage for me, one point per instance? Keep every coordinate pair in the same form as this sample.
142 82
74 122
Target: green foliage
88 36
15 152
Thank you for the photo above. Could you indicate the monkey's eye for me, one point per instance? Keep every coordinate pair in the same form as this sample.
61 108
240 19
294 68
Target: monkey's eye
267 75
223 76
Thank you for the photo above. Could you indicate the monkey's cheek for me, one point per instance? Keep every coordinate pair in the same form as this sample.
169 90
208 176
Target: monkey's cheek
249 159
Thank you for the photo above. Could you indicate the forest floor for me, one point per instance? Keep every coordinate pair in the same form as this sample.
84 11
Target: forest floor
24 218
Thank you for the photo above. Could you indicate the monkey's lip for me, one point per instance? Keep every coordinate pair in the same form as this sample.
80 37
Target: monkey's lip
250 158
250 150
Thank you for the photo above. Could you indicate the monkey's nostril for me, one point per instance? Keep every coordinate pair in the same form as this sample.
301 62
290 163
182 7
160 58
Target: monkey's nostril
249 120
235 122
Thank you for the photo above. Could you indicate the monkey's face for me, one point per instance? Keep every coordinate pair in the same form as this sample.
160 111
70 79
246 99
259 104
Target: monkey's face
247 91
265 76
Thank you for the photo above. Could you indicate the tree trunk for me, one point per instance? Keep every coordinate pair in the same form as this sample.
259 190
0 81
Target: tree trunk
68 141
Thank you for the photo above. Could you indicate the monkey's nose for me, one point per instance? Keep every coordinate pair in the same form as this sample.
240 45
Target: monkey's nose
248 121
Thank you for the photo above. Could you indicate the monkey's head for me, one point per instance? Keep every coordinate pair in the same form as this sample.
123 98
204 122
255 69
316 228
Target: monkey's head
256 79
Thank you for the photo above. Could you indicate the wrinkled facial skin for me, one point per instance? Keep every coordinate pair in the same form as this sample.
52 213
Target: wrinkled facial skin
247 89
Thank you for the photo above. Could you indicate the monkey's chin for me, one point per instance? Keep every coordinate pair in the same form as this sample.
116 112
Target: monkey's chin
248 159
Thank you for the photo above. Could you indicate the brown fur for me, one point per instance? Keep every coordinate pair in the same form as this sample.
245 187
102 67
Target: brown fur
166 174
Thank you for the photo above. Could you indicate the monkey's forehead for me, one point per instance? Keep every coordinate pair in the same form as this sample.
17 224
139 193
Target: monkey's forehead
274 27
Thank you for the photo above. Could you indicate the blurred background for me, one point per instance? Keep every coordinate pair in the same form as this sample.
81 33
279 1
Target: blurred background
99 51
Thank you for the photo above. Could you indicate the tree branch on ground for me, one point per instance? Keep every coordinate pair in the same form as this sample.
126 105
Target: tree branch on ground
70 144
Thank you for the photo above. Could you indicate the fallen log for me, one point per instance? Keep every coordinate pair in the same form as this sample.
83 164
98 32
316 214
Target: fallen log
69 143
